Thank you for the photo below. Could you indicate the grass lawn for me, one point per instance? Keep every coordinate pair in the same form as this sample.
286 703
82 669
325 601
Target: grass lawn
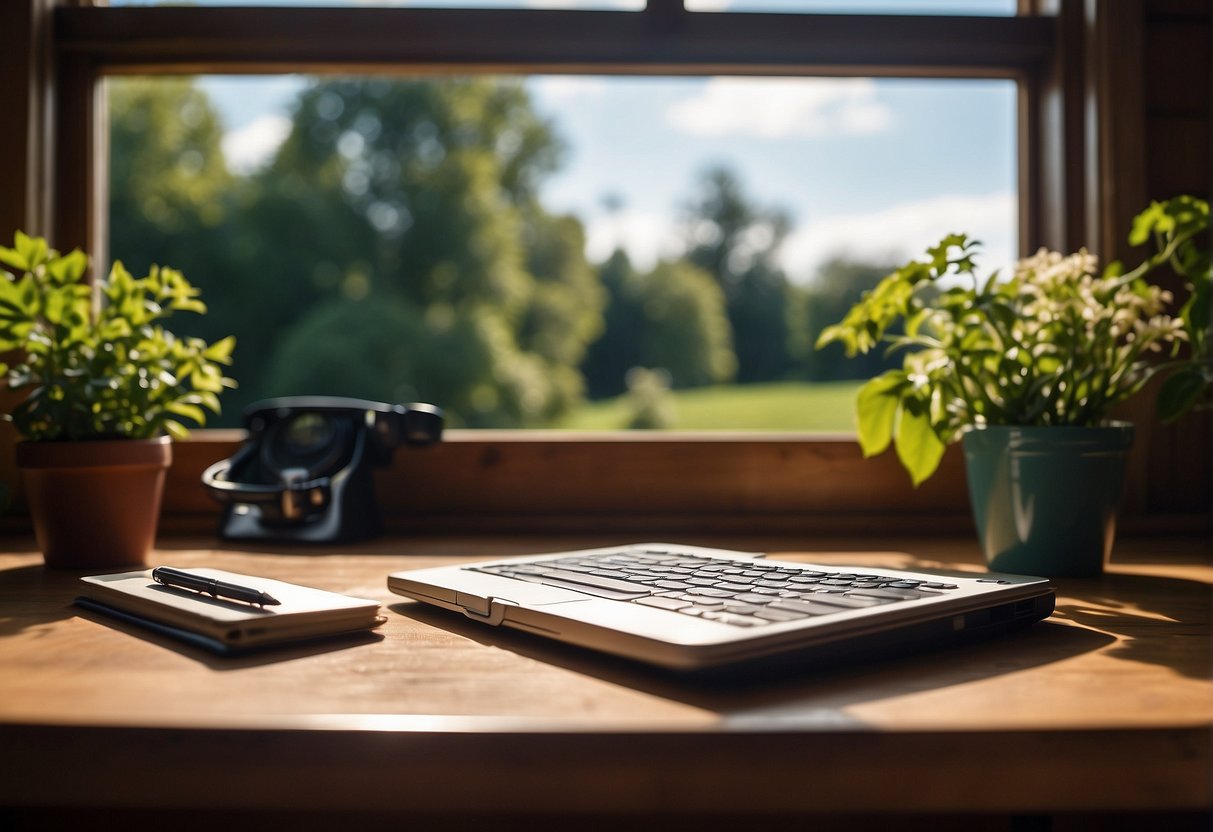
783 406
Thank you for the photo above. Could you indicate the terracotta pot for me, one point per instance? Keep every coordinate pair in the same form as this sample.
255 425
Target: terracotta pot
95 505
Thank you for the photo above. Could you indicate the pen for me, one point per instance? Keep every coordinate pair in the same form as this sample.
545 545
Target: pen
212 586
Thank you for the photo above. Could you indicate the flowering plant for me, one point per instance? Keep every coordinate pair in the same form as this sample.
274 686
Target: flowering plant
1055 342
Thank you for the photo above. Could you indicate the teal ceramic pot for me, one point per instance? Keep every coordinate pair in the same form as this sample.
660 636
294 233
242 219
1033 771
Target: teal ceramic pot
1045 498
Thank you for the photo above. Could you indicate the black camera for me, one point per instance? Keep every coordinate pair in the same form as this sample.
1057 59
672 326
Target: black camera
304 472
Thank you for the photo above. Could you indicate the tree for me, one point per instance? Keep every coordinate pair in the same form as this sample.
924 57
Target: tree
738 244
419 199
168 177
387 349
173 202
618 349
687 332
671 318
838 285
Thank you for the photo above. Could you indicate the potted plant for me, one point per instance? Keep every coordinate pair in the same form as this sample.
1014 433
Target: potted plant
105 387
1026 369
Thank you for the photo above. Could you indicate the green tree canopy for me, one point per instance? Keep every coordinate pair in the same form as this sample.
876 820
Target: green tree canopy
420 198
688 334
738 243
168 177
671 318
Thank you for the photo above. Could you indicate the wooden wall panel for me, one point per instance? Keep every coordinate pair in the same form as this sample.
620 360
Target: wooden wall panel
1178 151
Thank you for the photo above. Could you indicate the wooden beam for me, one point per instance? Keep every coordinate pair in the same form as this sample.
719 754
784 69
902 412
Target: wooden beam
25 30
244 40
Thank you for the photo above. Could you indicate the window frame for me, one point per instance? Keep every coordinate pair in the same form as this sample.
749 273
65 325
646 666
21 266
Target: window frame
529 479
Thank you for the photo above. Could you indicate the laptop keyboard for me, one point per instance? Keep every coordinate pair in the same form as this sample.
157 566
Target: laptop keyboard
741 593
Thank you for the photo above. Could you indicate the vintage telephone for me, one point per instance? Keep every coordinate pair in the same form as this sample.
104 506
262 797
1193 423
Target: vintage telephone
304 472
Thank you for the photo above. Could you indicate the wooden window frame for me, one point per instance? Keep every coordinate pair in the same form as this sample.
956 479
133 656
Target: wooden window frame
488 480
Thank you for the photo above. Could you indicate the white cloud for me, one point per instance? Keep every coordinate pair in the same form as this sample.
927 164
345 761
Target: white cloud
645 236
900 232
252 145
782 108
890 236
566 89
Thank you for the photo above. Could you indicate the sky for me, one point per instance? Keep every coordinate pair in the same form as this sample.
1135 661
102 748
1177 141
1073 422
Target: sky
874 169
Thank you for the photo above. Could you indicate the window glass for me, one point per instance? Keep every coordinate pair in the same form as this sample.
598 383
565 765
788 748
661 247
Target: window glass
553 251
966 7
999 8
597 5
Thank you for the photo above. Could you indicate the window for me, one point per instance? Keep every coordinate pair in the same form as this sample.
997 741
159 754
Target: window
688 233
775 476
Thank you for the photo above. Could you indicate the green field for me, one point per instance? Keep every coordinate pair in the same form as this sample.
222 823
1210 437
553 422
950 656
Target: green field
784 406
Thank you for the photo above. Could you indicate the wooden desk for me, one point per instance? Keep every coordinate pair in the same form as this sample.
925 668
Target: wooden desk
1106 707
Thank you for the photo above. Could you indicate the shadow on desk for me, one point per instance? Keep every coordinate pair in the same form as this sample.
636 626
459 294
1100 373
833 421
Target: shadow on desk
758 687
22 600
1155 620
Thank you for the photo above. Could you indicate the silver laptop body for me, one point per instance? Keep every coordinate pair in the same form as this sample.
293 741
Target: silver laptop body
689 607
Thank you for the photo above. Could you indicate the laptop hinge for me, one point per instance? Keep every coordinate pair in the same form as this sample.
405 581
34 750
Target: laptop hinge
489 610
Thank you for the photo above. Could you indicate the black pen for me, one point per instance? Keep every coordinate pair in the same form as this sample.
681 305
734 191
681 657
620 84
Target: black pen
212 586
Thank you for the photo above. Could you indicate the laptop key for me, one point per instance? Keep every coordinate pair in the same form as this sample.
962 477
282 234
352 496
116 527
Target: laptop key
588 589
585 579
807 607
779 615
736 620
850 601
741 607
893 594
710 592
663 603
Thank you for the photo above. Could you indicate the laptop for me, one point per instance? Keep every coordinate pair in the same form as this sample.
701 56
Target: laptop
694 608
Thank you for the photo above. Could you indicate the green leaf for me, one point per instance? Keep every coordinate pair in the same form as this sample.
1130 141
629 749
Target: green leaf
189 411
1144 224
1179 392
175 429
875 410
918 446
13 258
188 305
221 351
68 269
1196 312
33 249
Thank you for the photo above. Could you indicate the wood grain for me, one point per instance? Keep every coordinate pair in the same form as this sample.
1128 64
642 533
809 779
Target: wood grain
1107 706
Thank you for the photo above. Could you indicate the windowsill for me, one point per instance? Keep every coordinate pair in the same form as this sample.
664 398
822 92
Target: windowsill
642 482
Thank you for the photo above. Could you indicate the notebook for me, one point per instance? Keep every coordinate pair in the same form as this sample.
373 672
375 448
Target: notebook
691 608
227 626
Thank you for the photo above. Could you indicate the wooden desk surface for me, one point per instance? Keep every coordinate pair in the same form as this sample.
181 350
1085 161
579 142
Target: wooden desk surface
1107 706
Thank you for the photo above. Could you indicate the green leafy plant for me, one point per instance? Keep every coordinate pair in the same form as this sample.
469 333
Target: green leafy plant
94 357
1052 343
